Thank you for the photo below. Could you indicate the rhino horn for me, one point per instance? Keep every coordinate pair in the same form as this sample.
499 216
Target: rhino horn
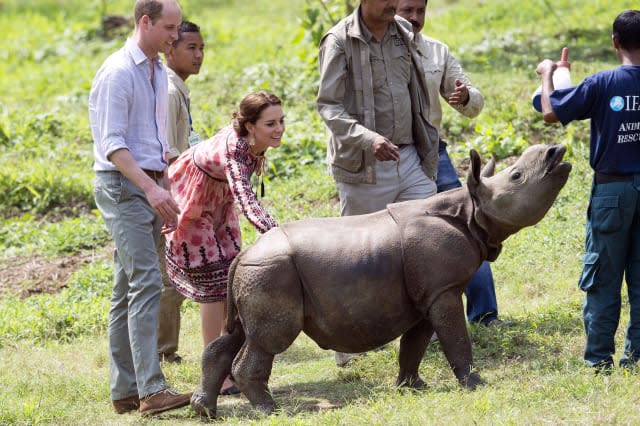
489 169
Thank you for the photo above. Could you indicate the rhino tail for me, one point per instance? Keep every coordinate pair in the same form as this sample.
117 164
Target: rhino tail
232 310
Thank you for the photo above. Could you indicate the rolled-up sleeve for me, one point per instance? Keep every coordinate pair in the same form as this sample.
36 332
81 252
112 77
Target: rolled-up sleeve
113 117
346 129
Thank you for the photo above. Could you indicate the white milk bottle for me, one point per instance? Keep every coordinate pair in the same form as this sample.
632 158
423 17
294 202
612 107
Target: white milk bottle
561 78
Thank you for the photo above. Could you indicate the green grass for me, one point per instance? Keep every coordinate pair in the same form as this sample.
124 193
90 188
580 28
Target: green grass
53 348
534 370
533 377
79 309
26 235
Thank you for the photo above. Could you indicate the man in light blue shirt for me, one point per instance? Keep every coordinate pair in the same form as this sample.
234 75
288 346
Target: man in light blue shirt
128 116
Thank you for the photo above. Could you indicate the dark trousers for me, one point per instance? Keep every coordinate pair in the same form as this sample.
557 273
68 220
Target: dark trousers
612 252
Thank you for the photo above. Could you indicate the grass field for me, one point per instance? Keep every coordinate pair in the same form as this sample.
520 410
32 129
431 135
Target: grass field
53 345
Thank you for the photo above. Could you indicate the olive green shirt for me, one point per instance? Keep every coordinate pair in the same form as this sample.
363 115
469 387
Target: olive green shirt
178 125
346 102
391 70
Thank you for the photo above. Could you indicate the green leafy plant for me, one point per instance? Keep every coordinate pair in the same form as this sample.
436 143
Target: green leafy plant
78 310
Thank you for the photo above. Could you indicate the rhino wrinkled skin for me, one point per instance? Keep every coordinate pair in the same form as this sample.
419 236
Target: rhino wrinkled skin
355 283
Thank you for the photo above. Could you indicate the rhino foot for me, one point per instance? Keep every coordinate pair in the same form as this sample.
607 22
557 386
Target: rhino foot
472 381
199 405
413 384
266 408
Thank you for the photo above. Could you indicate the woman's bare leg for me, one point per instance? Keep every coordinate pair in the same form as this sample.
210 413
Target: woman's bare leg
212 318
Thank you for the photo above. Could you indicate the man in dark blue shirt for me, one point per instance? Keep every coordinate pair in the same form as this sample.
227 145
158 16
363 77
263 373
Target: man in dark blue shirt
611 99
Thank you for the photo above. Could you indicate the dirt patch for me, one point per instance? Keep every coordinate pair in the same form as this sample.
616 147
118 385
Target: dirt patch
29 275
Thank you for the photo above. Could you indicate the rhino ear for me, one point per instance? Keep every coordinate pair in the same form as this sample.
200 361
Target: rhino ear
489 169
473 175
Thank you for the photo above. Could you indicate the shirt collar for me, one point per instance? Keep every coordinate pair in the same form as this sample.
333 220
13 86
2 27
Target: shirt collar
420 42
137 54
178 82
366 34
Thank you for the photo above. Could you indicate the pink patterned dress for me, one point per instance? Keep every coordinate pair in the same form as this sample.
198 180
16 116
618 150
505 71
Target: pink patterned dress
207 181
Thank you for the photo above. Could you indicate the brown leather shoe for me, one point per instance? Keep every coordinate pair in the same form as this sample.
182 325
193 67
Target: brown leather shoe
163 401
126 404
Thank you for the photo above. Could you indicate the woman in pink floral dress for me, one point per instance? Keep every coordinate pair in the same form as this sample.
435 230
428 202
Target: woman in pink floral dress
208 181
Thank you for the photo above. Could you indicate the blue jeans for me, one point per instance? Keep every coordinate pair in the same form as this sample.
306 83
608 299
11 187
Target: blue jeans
133 316
482 305
612 251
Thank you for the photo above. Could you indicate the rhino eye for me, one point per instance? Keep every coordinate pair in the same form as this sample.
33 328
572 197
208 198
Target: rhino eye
516 175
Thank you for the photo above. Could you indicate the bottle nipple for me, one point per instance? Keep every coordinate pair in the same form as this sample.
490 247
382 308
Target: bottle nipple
564 59
562 74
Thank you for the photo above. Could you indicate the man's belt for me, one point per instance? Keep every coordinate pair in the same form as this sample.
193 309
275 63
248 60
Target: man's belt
156 176
607 178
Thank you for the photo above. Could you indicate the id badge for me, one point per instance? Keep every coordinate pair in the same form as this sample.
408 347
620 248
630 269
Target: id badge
194 138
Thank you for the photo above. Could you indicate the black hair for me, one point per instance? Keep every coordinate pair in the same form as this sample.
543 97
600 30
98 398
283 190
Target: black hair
186 27
626 29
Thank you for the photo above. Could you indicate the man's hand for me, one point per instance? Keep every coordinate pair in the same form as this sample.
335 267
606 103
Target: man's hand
162 202
546 67
460 95
384 150
158 197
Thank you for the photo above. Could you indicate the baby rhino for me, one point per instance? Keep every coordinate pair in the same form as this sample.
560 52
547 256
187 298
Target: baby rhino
355 283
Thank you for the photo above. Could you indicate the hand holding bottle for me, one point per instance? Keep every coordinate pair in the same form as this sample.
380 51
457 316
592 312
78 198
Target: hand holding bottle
561 76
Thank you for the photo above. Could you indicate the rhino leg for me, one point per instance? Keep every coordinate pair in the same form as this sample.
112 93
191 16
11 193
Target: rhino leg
413 344
447 316
216 365
251 370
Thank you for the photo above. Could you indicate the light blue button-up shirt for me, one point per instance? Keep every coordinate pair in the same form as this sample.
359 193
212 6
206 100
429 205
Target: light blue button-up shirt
127 111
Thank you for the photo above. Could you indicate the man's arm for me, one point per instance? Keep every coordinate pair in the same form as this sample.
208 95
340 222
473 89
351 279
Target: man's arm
330 101
458 91
173 110
545 69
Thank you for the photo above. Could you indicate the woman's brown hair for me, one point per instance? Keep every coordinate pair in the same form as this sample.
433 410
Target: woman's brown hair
251 108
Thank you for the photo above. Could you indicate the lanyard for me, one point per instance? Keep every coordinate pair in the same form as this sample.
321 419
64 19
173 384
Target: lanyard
186 104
